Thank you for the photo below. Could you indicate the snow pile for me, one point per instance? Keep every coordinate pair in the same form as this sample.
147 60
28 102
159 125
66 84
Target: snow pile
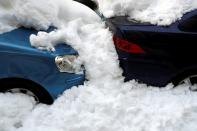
160 12
13 110
89 107
105 102
42 14
93 43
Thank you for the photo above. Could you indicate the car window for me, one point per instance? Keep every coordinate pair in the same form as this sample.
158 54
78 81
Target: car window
189 25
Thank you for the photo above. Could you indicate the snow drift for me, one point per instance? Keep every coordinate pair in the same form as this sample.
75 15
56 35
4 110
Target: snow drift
42 14
105 102
160 12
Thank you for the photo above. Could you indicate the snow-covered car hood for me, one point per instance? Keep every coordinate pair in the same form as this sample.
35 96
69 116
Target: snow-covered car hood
18 41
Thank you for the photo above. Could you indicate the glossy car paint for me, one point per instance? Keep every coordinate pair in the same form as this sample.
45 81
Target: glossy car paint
88 3
20 60
169 50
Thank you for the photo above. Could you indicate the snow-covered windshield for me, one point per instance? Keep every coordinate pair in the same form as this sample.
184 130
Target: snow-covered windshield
105 102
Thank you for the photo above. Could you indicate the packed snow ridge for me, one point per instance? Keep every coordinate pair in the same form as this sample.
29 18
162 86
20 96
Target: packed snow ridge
104 102
160 12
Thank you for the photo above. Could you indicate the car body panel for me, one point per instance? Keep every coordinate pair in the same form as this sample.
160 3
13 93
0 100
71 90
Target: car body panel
169 50
20 60
89 3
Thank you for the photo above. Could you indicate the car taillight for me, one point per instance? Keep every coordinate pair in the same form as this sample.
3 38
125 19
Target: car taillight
127 46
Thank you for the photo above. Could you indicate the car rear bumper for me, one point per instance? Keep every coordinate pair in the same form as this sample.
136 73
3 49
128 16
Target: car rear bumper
146 70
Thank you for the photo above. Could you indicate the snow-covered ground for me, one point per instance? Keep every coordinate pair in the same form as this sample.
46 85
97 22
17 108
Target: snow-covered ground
105 102
90 107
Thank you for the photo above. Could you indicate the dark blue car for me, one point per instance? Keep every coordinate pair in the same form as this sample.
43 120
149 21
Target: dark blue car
41 74
157 55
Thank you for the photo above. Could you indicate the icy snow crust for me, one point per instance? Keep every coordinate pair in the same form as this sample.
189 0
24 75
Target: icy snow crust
160 12
105 102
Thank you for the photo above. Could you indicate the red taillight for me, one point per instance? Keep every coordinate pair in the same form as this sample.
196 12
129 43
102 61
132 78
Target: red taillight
127 46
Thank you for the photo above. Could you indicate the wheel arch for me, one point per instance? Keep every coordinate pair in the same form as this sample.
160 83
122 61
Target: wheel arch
4 81
182 75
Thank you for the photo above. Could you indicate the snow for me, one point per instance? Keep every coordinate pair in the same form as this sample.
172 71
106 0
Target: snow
42 14
105 102
160 12
13 109
89 108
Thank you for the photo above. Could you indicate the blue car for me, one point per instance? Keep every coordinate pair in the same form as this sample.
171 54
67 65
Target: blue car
157 55
41 74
